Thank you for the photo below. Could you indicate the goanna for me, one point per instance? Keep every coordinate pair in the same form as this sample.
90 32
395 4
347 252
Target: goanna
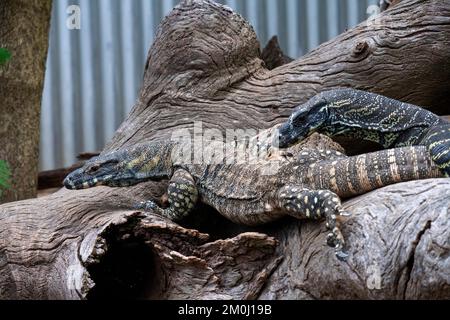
303 183
368 116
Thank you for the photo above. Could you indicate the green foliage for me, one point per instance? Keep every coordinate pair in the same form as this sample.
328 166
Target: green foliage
5 55
5 175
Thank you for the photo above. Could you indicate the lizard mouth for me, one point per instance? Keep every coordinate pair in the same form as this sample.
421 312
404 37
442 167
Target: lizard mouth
78 184
69 183
79 180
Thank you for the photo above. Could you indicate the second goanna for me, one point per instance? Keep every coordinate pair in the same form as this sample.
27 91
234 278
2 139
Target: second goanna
368 116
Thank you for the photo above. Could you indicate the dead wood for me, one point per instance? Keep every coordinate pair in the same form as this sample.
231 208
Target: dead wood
89 244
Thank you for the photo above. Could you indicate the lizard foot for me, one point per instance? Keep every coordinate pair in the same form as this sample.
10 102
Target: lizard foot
336 240
345 214
316 204
171 213
149 206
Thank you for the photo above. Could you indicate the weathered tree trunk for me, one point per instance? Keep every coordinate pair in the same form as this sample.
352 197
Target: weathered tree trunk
24 27
205 66
273 56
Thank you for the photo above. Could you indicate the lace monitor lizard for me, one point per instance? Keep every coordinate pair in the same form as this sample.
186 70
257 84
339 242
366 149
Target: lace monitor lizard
299 182
368 116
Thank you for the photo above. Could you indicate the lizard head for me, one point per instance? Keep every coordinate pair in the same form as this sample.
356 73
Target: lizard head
123 168
303 122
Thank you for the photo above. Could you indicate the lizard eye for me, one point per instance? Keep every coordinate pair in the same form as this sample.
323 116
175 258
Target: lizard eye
94 168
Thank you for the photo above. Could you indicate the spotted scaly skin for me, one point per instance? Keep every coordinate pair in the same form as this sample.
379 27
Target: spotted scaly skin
368 116
303 183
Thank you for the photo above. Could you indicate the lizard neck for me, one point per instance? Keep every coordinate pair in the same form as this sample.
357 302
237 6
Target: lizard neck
152 161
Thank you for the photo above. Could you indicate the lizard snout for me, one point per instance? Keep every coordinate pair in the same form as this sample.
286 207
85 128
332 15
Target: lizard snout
68 183
75 180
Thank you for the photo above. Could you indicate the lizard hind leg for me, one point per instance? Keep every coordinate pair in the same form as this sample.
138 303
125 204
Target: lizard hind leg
183 195
304 203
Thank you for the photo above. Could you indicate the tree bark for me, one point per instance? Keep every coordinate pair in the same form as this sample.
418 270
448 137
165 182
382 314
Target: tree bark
24 33
93 246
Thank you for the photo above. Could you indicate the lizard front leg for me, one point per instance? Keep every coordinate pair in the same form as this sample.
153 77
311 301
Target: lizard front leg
304 203
183 195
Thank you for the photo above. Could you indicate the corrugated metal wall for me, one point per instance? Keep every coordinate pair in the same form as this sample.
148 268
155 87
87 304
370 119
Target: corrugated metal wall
94 73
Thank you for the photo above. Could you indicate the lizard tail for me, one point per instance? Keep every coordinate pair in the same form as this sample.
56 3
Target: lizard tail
363 173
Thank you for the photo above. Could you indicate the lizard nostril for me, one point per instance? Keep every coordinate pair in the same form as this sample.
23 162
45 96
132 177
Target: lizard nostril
68 182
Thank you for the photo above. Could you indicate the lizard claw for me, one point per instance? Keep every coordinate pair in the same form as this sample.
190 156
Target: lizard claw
336 241
139 206
145 205
332 241
150 208
344 213
341 255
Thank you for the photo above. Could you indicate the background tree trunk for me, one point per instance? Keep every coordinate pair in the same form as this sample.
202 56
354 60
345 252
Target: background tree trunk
88 244
24 27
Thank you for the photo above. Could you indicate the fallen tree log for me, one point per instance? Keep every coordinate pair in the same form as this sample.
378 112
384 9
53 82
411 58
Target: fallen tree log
88 244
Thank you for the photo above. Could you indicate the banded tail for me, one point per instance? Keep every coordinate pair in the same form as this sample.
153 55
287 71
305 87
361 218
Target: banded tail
363 173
